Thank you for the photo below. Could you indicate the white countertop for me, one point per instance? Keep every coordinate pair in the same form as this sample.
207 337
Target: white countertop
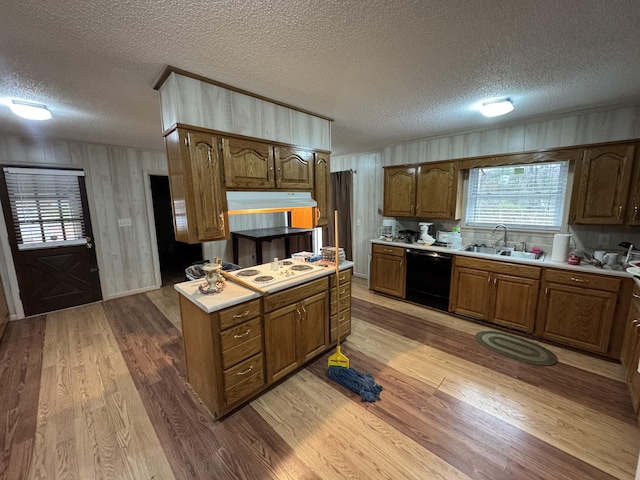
231 295
234 293
546 262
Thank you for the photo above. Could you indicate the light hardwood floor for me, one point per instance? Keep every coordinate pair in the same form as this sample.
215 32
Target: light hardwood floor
100 391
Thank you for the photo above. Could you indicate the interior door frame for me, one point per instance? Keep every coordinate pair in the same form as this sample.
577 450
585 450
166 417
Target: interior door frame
151 221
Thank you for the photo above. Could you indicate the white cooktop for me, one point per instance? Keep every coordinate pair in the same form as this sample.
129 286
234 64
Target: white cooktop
270 277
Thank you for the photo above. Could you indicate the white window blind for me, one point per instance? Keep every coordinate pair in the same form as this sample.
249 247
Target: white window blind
46 206
528 196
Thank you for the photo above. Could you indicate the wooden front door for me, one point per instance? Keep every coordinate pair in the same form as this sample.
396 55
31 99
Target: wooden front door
51 238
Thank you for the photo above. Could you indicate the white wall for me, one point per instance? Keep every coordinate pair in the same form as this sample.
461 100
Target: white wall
592 127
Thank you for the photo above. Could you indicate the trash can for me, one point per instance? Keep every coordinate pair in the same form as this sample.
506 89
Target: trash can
195 272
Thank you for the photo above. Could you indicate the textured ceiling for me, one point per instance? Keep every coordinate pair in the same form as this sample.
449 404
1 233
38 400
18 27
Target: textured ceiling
386 71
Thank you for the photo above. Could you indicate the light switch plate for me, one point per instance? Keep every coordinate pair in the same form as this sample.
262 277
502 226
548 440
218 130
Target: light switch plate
124 222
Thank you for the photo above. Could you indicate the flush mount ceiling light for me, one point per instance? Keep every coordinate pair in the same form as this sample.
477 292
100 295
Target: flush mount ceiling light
495 108
30 111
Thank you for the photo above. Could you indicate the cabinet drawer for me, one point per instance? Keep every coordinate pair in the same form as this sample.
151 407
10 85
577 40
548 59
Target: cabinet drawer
244 379
345 298
507 268
239 313
567 277
241 342
345 325
345 277
294 294
387 250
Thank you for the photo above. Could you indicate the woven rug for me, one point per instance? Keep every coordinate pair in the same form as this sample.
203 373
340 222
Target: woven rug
516 347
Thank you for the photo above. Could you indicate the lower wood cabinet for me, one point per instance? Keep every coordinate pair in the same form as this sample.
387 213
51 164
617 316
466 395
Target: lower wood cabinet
502 293
340 305
631 349
296 327
578 309
388 270
224 353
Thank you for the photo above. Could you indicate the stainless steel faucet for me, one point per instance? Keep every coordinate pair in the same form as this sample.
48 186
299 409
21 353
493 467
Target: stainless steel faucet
504 240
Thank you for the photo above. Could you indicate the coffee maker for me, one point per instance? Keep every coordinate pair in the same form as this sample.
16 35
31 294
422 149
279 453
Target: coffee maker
388 229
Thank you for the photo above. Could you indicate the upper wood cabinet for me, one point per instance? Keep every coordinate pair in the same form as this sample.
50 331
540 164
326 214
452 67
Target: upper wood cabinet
248 164
322 189
198 196
399 191
428 190
437 194
293 168
601 185
633 207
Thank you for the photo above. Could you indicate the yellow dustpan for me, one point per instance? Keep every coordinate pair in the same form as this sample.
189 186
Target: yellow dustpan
337 359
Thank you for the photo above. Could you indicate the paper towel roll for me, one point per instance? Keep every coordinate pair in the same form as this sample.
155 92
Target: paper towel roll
560 249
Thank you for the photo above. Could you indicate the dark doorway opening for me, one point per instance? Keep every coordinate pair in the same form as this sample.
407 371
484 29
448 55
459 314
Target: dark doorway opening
174 256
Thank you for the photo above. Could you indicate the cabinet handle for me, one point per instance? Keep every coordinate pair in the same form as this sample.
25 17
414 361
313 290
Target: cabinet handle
412 210
304 311
280 175
620 212
245 372
636 328
495 281
635 213
342 292
546 292
270 174
342 318
244 334
299 314
317 215
635 295
242 315
387 250
635 322
579 280
222 221
489 279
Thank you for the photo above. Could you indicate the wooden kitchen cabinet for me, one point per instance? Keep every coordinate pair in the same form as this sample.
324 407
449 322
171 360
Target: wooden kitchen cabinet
631 349
322 189
577 309
293 168
296 327
224 353
248 164
388 270
198 197
399 191
340 305
499 292
633 207
601 185
437 192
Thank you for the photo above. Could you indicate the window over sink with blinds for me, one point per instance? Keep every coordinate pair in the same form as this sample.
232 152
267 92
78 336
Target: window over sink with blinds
46 207
530 196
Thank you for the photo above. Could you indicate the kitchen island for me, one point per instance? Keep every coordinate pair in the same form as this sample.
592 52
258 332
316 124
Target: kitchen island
245 338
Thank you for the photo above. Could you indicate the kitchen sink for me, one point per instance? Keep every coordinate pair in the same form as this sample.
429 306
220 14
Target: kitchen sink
517 254
480 249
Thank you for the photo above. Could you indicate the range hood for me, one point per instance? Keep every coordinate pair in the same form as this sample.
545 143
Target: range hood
262 202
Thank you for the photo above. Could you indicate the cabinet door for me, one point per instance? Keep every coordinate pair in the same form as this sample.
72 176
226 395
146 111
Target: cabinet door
314 328
579 317
388 274
280 337
514 302
436 187
322 189
471 293
399 191
248 164
633 207
209 196
631 363
294 168
602 182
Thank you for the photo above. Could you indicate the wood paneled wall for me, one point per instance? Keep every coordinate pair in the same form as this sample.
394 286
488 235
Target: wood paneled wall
593 127
116 179
193 102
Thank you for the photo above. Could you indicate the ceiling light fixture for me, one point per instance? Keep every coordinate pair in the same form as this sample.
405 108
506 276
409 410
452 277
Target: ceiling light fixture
495 108
30 111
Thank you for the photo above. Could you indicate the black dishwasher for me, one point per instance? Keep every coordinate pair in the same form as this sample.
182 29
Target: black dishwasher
428 278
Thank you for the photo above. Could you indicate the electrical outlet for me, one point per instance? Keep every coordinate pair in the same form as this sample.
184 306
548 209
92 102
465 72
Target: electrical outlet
124 222
358 221
604 239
